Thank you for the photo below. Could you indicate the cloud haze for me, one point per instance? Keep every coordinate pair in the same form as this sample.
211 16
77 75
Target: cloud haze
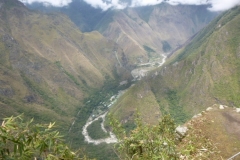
216 5
56 3
221 5
106 4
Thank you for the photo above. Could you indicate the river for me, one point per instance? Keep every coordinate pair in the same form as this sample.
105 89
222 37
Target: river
111 139
137 75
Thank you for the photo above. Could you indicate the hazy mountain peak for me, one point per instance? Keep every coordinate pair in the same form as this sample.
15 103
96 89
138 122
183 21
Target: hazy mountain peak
216 5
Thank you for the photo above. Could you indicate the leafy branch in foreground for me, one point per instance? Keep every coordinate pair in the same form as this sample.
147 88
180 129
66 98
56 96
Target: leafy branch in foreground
146 142
25 140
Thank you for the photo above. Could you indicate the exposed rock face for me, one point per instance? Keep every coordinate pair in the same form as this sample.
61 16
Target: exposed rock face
221 107
238 110
209 108
181 130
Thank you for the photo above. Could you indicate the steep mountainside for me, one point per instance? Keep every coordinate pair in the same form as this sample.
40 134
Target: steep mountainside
81 13
201 74
144 33
162 28
47 66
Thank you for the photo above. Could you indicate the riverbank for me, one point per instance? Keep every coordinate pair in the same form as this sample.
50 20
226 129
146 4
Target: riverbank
137 75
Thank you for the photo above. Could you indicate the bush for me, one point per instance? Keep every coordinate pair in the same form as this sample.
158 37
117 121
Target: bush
147 142
25 140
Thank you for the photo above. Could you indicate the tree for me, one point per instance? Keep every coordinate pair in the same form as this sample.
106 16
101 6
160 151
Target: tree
26 140
146 142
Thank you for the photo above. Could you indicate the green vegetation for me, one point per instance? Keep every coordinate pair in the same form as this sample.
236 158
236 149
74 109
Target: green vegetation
49 101
175 110
204 72
4 55
95 131
166 46
161 141
204 35
148 49
58 63
26 140
147 142
230 15
76 139
151 52
199 40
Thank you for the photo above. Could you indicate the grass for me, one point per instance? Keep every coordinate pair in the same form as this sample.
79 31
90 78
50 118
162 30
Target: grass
49 101
75 137
204 72
176 110
58 63
4 55
206 68
42 42
210 132
138 97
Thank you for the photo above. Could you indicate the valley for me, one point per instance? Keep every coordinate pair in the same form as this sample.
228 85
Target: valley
143 68
100 112
74 66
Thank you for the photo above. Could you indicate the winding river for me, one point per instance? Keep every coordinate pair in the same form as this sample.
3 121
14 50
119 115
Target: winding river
111 139
137 74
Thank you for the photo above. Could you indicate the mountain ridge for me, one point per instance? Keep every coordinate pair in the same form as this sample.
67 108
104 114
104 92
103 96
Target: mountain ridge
48 66
133 28
202 73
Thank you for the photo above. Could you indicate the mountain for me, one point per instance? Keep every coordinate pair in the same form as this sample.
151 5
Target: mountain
202 73
144 33
52 71
81 13
48 66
